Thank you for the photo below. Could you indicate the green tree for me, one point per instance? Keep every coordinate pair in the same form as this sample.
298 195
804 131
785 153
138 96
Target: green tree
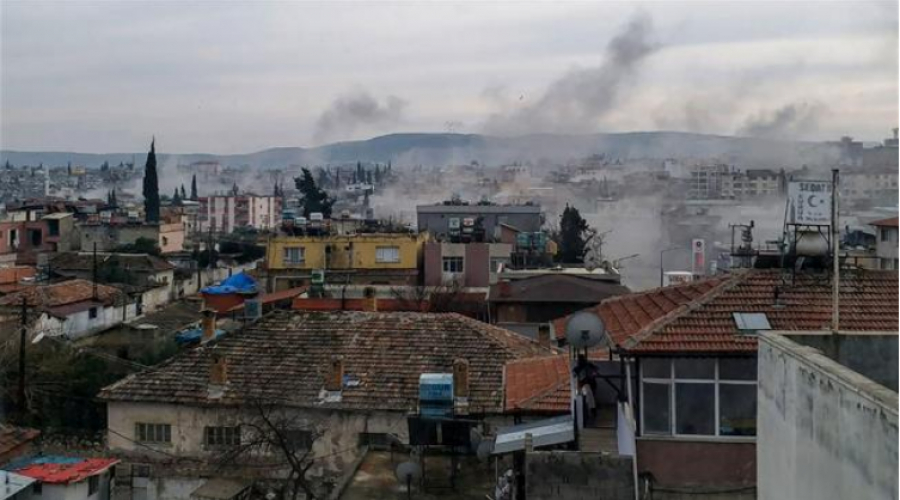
194 188
312 197
176 198
572 229
151 186
140 245
183 193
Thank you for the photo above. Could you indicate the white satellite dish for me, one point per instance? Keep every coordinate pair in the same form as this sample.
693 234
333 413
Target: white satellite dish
485 448
408 472
585 329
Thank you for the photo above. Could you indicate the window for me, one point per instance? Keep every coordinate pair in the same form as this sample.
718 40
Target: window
698 396
751 322
153 433
886 264
222 436
93 485
453 264
37 488
92 313
387 254
299 439
53 227
496 262
294 255
885 234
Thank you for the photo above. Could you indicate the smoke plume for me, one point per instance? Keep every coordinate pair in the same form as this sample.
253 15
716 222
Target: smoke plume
790 121
577 101
357 110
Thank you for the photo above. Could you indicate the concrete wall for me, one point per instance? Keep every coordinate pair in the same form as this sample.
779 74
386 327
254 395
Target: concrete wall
339 442
568 475
824 431
71 491
872 355
80 324
886 249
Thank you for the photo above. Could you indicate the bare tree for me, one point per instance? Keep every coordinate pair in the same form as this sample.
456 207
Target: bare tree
272 434
443 298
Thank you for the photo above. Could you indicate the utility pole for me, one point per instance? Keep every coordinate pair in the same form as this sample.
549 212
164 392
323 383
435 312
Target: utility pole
23 406
94 272
836 246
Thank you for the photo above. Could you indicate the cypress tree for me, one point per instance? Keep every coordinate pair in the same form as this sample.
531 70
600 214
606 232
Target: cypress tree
183 193
112 198
194 187
151 186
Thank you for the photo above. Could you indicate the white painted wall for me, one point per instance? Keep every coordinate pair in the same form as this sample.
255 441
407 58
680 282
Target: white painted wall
824 431
80 324
71 491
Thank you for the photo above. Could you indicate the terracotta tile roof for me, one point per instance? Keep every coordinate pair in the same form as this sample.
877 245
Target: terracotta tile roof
626 315
892 222
61 294
12 275
62 470
538 384
868 302
285 357
12 437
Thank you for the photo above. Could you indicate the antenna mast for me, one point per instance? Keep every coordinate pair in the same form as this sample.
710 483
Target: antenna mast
836 245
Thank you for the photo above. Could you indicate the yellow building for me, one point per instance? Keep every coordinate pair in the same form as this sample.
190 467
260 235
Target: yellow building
373 259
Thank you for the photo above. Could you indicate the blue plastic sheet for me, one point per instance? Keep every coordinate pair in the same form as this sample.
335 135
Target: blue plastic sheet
238 283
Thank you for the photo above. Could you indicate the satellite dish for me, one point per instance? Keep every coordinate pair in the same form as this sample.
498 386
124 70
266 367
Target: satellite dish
475 437
485 448
585 329
408 472
37 338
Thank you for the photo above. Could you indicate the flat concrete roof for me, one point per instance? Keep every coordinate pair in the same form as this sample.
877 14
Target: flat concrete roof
478 209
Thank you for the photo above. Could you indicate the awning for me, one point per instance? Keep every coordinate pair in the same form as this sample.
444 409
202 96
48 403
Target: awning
221 489
548 432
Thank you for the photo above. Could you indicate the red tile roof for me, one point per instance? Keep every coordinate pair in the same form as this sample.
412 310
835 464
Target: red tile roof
892 222
12 437
868 302
61 294
66 472
12 275
538 384
626 315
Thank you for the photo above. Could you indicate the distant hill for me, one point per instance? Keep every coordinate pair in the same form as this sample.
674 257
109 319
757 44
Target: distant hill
442 149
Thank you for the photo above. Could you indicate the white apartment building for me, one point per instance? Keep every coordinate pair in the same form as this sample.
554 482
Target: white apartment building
225 213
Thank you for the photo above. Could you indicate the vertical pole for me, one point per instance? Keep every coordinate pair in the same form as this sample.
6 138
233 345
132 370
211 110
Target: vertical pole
94 272
836 245
21 396
661 267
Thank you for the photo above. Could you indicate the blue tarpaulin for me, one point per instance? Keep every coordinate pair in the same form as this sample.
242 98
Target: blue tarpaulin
194 335
239 283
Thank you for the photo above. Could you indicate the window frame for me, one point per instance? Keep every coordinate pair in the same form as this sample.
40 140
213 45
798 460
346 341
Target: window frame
93 484
93 313
158 429
290 262
221 436
671 382
453 259
393 251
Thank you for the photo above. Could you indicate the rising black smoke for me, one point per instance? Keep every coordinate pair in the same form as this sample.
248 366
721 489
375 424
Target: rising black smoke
791 121
357 110
577 101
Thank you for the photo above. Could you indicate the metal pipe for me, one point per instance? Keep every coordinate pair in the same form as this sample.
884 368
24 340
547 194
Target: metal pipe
661 252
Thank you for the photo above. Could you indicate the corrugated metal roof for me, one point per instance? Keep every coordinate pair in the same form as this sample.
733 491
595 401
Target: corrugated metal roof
61 470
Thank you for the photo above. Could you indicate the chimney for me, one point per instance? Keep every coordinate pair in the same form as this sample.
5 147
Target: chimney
334 380
218 375
370 302
209 325
461 378
543 334
504 288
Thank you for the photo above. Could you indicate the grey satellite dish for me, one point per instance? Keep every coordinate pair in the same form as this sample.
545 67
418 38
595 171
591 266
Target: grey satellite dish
485 448
584 330
407 472
475 437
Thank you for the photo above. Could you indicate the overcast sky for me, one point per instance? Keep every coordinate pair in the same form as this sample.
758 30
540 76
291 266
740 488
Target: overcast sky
229 77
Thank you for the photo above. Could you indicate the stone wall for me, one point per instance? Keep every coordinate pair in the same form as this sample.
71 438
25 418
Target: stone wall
567 475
